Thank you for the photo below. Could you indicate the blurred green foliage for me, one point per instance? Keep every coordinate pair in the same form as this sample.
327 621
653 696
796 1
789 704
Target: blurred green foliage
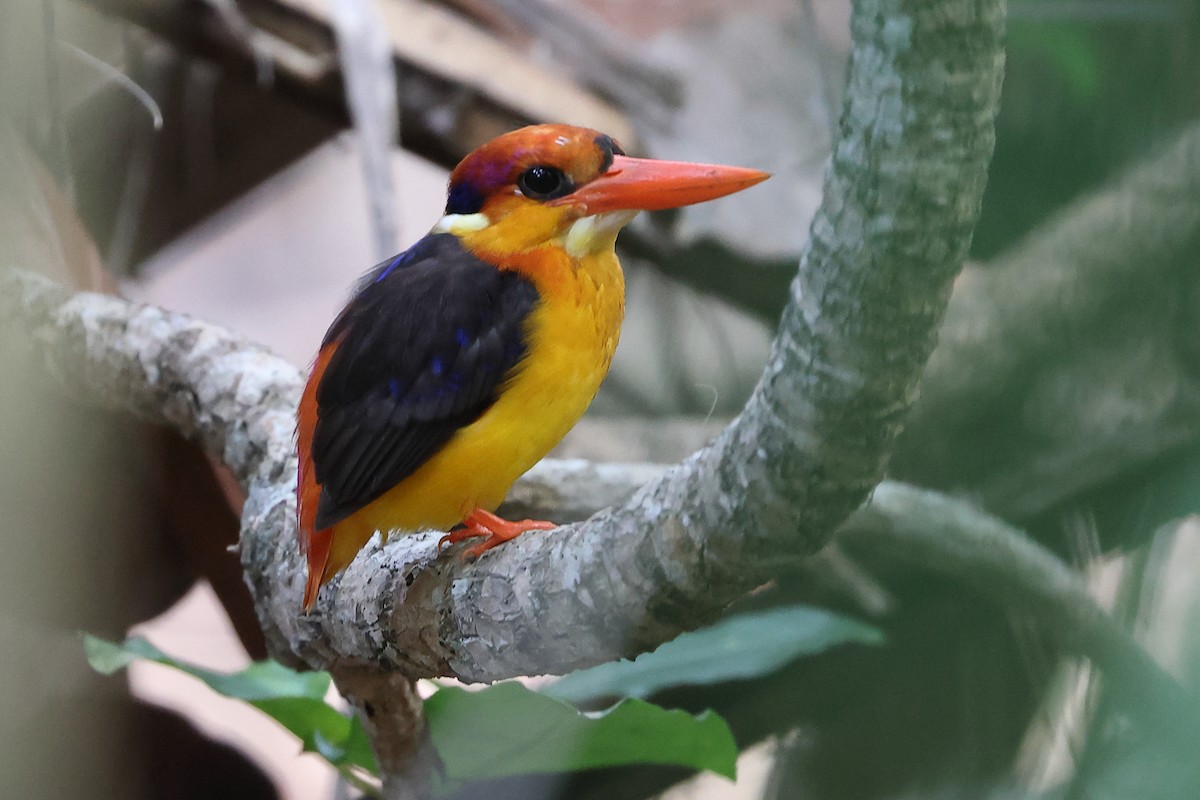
1088 86
737 648
295 700
508 729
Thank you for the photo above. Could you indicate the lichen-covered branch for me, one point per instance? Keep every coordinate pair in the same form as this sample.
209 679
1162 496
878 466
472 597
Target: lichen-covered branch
102 342
234 396
230 394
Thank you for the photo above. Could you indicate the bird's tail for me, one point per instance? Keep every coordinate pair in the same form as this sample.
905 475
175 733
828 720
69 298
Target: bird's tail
331 550
314 544
328 550
318 559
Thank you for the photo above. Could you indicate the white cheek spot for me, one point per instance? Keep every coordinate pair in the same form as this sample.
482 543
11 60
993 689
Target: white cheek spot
461 223
589 234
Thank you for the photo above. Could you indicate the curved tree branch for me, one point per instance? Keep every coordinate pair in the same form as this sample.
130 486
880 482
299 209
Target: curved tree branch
902 196
113 347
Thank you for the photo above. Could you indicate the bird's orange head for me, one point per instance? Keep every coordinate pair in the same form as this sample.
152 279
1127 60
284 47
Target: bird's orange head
568 186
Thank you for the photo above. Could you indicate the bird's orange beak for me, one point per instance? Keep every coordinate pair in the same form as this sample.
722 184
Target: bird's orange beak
645 184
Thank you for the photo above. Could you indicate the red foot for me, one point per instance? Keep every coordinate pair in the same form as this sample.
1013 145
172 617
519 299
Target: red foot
497 529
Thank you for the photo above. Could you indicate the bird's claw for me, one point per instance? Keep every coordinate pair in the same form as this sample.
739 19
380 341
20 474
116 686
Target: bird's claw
496 529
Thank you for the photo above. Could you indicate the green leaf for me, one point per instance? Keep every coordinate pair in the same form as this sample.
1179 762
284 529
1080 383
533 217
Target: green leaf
296 700
737 648
357 749
322 729
262 680
508 729
106 657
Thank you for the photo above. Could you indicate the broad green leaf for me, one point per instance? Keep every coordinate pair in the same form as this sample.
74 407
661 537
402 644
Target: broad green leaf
109 658
508 729
262 680
267 680
737 648
296 700
322 729
357 747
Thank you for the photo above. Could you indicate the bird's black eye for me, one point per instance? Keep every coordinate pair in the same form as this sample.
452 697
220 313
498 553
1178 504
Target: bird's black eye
543 183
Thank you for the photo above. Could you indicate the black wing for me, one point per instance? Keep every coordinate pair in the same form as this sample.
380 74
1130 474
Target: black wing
422 350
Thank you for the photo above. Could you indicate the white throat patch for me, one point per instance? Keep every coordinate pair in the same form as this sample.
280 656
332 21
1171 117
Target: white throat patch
587 235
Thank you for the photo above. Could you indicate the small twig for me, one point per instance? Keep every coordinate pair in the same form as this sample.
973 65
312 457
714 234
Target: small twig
369 78
60 135
120 79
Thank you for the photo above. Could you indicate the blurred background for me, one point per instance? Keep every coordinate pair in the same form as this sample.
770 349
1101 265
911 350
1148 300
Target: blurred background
246 160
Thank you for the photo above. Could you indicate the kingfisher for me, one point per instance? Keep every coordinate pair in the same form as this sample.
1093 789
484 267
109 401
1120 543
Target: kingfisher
461 362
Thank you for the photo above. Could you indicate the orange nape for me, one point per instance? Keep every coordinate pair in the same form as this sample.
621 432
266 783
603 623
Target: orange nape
498 530
458 364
